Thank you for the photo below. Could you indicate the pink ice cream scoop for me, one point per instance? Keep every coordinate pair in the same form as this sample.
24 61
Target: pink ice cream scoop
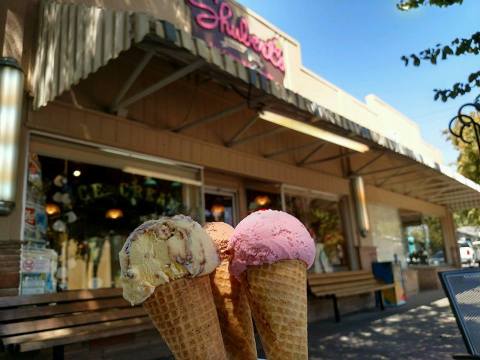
220 233
265 237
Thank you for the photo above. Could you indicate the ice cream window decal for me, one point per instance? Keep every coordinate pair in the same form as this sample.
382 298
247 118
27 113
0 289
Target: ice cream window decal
222 26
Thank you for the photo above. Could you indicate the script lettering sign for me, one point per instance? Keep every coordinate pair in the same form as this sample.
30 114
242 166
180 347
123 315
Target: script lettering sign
221 25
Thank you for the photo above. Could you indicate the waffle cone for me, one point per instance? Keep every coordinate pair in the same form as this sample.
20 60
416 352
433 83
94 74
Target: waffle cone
234 314
184 314
277 294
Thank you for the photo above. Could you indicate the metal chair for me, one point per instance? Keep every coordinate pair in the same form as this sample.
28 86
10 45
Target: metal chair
462 288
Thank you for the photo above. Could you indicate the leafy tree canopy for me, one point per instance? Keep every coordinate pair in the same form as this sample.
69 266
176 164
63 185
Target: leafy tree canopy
412 4
457 47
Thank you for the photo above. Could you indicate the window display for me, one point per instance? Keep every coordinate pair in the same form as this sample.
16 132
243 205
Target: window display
91 209
219 207
261 200
323 221
424 241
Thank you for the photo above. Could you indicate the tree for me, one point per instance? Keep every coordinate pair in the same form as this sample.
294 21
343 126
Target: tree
457 47
467 165
435 233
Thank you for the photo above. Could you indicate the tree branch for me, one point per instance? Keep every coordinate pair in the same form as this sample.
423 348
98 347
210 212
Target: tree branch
458 89
406 5
457 47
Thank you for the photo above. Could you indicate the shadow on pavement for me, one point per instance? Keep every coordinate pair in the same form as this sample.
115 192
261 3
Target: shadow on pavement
423 329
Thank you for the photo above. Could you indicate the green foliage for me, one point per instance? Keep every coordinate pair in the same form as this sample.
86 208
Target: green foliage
412 4
469 166
435 232
327 227
457 47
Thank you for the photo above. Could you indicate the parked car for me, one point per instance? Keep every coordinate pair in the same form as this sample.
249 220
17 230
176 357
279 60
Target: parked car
467 253
438 258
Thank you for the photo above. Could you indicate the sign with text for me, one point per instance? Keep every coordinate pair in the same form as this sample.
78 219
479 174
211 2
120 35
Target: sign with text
223 26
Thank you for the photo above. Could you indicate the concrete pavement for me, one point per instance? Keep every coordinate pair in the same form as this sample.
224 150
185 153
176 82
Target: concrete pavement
424 328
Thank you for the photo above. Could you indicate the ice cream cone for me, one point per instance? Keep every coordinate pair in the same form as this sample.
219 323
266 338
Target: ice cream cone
277 295
184 314
234 314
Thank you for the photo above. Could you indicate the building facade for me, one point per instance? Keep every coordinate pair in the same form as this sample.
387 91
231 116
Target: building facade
134 110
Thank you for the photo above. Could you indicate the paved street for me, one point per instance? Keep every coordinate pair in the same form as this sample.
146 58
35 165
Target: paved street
423 329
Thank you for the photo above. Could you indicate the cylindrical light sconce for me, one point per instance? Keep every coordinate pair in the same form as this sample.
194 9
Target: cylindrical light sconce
11 102
361 214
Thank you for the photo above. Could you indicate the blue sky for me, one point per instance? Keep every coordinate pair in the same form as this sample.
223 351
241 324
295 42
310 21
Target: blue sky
357 45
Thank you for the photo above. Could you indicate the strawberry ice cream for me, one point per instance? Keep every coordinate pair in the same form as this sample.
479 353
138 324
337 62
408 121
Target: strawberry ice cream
266 237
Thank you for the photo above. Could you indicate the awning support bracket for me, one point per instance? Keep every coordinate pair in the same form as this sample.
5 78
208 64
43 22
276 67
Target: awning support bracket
419 182
369 163
131 79
429 188
330 158
242 130
393 168
211 117
162 83
395 174
310 154
289 149
258 136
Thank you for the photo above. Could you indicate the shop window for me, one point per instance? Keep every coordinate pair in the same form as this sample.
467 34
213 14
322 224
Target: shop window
323 220
86 211
262 200
423 237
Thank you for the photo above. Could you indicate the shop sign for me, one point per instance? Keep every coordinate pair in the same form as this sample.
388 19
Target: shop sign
223 26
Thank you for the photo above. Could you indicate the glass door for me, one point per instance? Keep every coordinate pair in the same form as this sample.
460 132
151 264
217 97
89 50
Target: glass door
221 205
320 213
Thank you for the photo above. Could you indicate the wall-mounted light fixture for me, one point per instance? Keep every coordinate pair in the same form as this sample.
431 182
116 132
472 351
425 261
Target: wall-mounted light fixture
314 131
360 201
11 102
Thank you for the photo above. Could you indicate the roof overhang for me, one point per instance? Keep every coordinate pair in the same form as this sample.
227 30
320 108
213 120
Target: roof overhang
75 41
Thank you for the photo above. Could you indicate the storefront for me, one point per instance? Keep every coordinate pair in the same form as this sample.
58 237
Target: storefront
142 110
84 199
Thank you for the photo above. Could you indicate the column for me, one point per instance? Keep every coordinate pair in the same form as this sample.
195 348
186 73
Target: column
452 254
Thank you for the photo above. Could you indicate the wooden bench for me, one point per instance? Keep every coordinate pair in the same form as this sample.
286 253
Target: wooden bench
346 283
36 322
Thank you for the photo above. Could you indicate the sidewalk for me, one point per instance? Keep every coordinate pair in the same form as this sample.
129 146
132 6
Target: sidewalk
424 328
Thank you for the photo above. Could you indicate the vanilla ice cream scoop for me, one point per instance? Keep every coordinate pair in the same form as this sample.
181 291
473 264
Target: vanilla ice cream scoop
162 250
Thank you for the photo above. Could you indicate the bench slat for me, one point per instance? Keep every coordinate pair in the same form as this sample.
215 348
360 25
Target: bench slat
58 334
328 280
364 291
340 287
89 332
69 321
46 310
71 295
339 274
355 290
354 287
